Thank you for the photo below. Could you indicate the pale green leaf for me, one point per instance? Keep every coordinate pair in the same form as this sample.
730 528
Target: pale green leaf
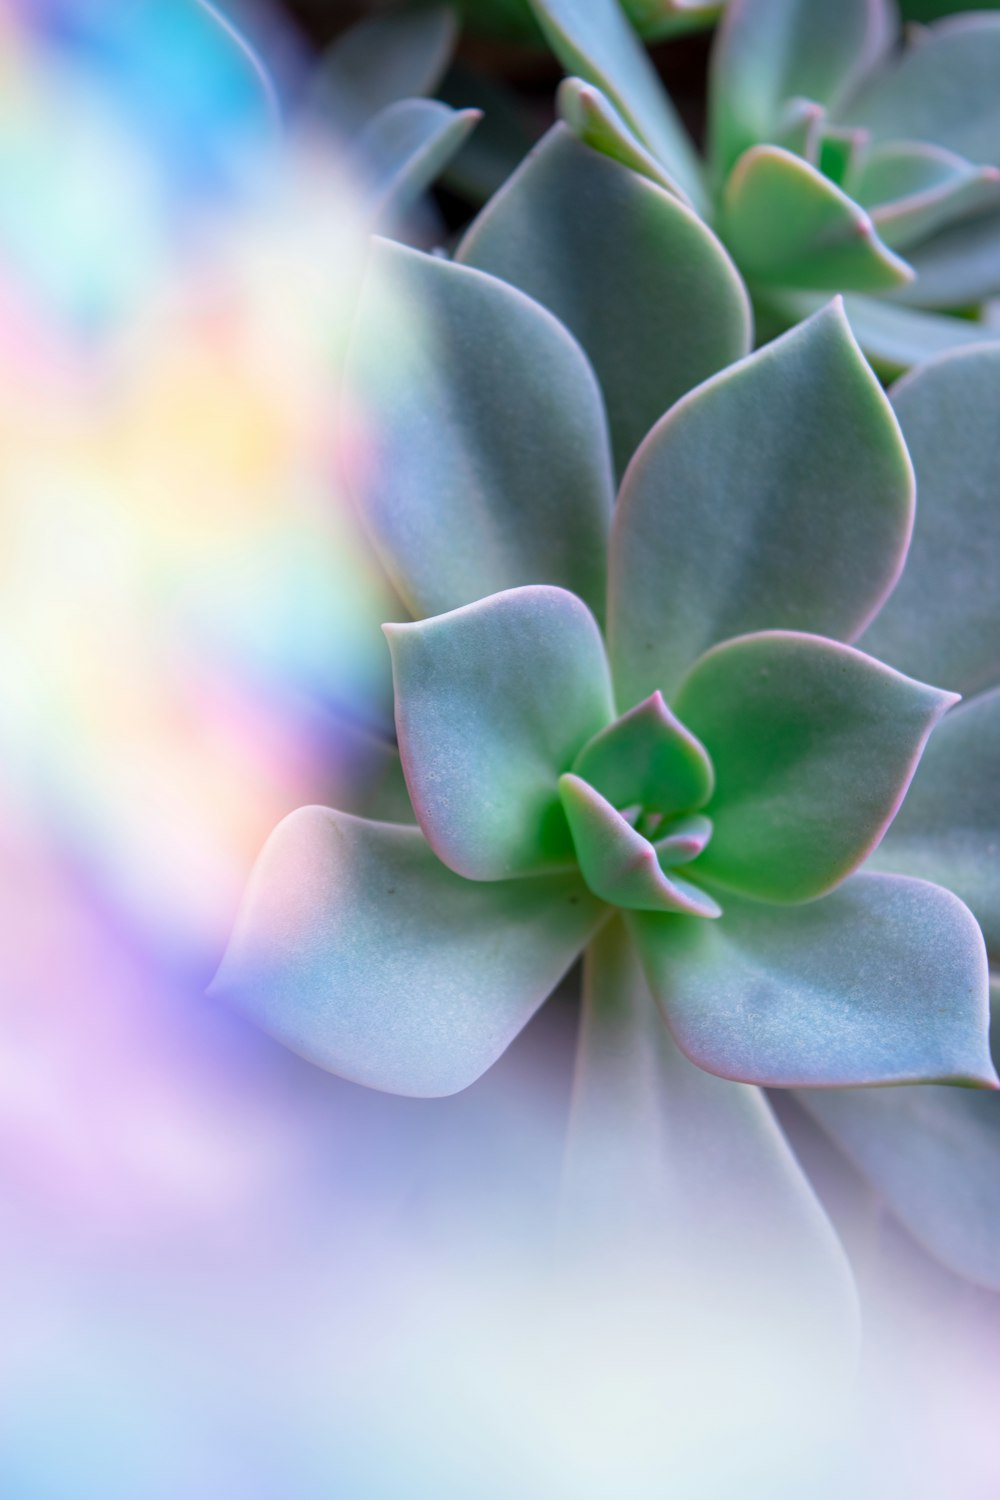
358 949
493 703
884 981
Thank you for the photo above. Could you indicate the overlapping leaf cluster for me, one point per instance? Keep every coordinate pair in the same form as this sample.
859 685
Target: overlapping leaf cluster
662 693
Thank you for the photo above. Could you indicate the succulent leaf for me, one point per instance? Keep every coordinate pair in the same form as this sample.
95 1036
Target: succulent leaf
943 620
813 745
684 840
405 147
948 828
594 120
931 1154
648 757
597 43
913 190
493 703
665 1160
618 864
769 51
945 88
957 267
382 60
358 949
778 494
788 225
488 464
885 981
671 308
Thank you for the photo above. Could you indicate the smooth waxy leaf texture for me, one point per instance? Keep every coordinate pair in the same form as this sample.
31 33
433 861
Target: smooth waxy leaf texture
665 1159
382 60
779 494
358 949
943 621
894 337
488 463
405 147
597 42
594 120
931 1153
813 745
885 981
788 225
914 189
948 828
672 309
493 704
770 51
957 267
945 89
618 864
647 756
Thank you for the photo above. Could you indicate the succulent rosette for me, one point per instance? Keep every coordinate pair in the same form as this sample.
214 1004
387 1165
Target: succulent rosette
836 162
636 729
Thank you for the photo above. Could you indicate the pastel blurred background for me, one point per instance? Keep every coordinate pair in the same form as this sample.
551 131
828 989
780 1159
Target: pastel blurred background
222 1272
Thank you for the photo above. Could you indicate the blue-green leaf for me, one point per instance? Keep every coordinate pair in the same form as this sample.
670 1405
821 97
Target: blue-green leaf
943 620
404 148
767 52
948 828
668 1164
944 89
647 756
957 267
358 949
814 745
779 494
596 42
913 190
493 704
933 1155
594 120
638 278
486 464
789 226
885 981
618 864
380 61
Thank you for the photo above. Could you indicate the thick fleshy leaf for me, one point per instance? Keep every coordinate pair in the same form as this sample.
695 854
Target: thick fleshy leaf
665 1160
618 864
788 225
943 620
767 52
684 840
948 829
380 61
933 1154
945 89
840 149
779 494
594 120
493 703
404 148
957 267
596 42
813 745
672 309
487 463
894 338
648 757
799 128
358 949
884 981
913 190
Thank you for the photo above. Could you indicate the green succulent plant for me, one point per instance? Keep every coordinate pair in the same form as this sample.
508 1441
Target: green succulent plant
834 162
681 774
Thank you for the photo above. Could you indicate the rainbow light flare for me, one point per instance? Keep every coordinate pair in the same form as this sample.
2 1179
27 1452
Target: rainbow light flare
222 1272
